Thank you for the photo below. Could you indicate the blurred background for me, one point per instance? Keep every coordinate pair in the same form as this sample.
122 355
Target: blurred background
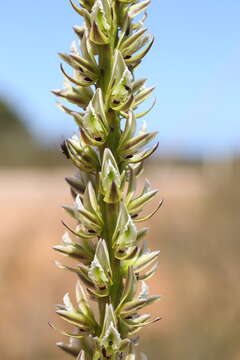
195 66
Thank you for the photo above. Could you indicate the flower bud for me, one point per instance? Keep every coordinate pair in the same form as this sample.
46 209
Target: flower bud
137 204
77 96
125 234
111 181
133 43
93 125
130 144
100 270
85 216
100 18
82 155
145 259
120 84
75 317
110 341
71 249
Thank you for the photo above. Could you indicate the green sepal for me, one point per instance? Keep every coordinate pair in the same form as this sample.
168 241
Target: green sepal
83 216
141 233
83 318
75 96
74 320
133 306
147 217
109 318
129 290
148 274
73 348
84 307
76 185
131 186
139 157
145 259
90 201
132 145
69 248
129 129
145 112
136 9
137 204
130 40
84 13
142 95
88 49
136 323
76 62
87 4
81 232
138 25
137 58
128 52
125 253
138 85
68 334
81 271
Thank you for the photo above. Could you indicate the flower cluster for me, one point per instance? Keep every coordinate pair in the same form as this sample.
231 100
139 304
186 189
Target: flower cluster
108 152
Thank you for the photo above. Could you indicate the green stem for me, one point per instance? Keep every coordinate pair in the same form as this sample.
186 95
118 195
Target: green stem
105 65
101 307
110 211
111 214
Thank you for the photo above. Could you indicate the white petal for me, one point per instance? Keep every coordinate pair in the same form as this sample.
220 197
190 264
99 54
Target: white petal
67 303
66 239
78 203
144 291
74 47
143 129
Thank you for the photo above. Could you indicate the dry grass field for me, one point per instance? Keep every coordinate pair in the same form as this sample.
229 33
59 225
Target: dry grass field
197 231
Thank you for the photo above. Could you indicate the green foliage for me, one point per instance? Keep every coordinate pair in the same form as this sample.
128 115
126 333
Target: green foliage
15 140
109 156
18 147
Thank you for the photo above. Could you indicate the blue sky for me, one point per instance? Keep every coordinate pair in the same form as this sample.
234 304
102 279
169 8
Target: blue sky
194 65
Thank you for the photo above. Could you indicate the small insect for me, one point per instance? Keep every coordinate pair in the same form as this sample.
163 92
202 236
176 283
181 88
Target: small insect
65 149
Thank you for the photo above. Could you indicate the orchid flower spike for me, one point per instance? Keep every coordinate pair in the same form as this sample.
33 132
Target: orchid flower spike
111 261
